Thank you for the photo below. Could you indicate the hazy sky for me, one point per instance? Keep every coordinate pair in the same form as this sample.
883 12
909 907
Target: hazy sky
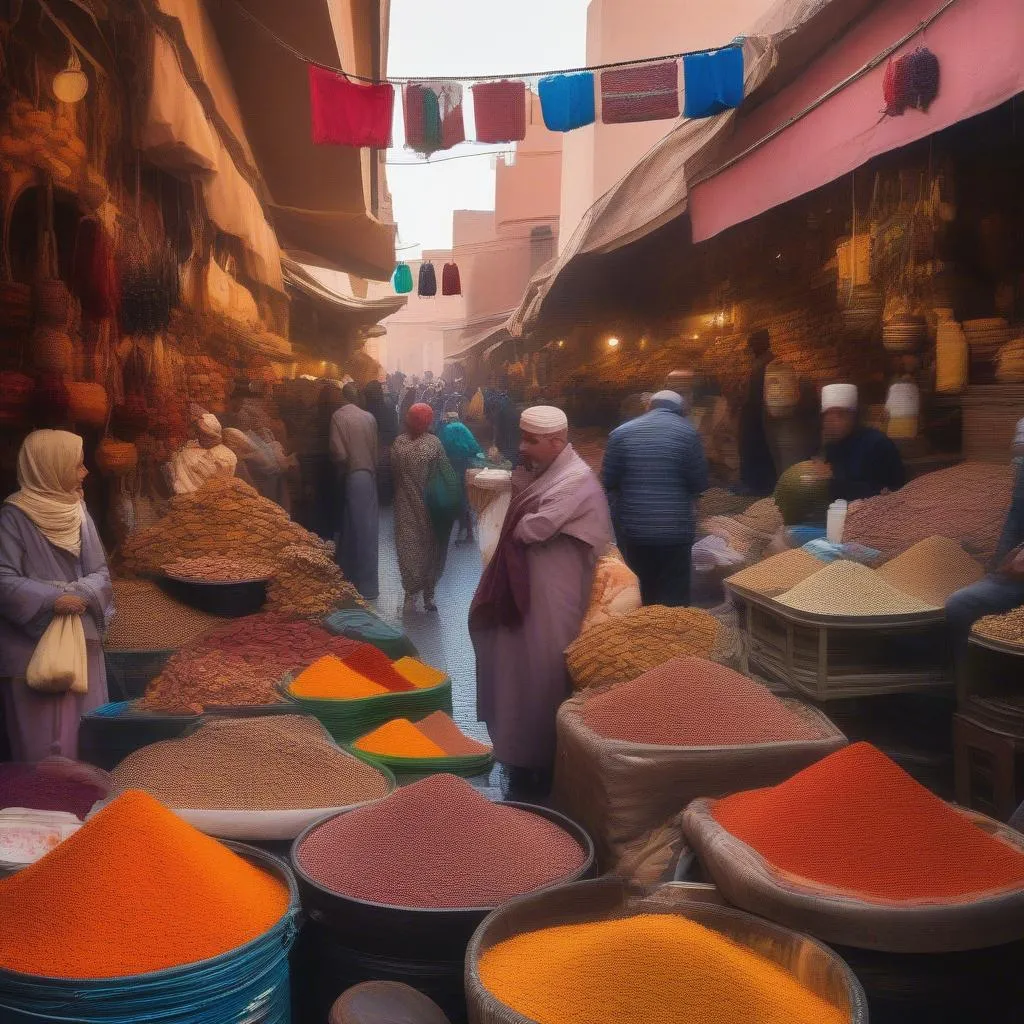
465 37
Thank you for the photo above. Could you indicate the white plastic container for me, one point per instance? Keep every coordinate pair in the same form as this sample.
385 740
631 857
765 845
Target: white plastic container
835 521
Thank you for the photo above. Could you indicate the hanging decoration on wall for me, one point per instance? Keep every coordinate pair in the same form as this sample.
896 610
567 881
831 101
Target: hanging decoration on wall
434 119
567 101
911 82
451 280
500 109
347 113
402 279
428 280
641 92
713 82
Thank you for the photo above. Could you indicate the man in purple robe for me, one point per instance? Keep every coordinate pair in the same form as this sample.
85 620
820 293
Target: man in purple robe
534 595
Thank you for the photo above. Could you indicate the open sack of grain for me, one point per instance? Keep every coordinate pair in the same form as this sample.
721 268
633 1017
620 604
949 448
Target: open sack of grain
631 756
854 851
615 592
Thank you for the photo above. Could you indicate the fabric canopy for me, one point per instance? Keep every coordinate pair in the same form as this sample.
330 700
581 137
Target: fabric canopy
362 313
317 194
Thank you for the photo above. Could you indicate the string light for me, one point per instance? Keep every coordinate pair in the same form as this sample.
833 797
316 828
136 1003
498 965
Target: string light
71 84
613 342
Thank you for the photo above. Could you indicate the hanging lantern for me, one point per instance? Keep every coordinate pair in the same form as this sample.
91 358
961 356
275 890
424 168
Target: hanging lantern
71 84
402 279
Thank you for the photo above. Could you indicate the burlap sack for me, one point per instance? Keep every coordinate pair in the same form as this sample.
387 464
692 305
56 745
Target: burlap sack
653 857
619 791
609 898
748 881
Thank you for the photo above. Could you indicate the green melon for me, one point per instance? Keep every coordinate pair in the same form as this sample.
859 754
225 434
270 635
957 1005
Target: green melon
801 499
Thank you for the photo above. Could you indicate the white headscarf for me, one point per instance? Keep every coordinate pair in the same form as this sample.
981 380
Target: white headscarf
48 477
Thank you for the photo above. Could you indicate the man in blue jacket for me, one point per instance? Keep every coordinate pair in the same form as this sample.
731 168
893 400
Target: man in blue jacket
654 470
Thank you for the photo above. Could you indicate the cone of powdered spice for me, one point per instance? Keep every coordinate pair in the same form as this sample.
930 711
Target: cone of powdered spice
643 969
932 570
286 762
849 589
438 844
857 823
776 574
134 890
435 736
691 702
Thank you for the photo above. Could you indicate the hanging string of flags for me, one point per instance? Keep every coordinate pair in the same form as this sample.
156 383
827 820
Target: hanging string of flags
350 112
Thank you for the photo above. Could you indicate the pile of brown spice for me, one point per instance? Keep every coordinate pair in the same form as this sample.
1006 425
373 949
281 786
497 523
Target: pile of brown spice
146 619
438 843
285 762
217 569
691 702
777 573
968 503
1007 628
932 570
308 584
241 663
850 589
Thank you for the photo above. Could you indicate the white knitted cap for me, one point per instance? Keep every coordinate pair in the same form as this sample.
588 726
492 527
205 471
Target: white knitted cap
543 420
839 396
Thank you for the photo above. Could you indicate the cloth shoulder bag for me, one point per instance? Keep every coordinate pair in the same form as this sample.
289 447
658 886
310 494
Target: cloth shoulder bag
60 663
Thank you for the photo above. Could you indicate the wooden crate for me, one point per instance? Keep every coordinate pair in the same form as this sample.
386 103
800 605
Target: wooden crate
989 767
828 658
990 683
990 415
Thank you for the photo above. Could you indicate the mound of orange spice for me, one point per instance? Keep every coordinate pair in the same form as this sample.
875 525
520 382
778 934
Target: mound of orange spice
858 823
135 890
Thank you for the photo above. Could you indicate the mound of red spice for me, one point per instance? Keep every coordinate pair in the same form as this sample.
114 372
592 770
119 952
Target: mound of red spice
438 843
691 702
856 822
46 787
373 663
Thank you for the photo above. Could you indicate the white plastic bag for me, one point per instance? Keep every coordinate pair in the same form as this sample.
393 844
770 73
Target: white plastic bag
59 663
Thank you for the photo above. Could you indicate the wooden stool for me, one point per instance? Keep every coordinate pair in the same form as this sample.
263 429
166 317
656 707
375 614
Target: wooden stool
989 768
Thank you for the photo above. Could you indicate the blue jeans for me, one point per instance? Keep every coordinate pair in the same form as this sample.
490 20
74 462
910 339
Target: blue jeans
993 595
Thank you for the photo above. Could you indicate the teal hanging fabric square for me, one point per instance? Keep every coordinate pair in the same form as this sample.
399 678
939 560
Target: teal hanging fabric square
567 101
402 280
712 82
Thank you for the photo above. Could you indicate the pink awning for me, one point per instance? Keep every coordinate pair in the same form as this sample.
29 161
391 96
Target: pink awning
979 45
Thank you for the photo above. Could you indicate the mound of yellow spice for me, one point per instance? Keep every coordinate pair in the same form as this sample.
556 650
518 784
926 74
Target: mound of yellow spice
135 890
638 970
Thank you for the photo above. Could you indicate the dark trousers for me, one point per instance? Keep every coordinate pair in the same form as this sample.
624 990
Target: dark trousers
663 571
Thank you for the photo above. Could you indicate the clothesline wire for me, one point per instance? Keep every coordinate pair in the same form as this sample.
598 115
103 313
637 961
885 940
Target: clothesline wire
270 33
445 159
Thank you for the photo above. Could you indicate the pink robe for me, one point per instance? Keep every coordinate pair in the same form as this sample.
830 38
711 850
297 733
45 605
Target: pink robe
520 671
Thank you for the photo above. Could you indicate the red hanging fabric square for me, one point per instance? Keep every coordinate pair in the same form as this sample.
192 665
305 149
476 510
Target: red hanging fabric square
346 113
641 92
500 111
451 280
453 124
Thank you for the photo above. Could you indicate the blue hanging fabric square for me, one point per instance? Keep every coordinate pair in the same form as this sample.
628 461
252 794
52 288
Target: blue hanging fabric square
567 101
713 82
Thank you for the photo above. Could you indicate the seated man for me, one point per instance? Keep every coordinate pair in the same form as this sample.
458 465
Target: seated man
1003 589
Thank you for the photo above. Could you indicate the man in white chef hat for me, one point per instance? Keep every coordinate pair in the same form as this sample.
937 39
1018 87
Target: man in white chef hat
859 461
533 596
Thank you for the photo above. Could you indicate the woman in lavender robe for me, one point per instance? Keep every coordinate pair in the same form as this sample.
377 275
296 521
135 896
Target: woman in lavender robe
51 563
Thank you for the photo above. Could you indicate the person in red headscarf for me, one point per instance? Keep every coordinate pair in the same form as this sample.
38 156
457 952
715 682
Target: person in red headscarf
415 455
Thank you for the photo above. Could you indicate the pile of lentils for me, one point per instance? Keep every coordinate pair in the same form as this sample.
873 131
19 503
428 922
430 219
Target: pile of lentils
438 844
146 619
850 589
241 663
281 762
777 573
969 501
1008 628
691 702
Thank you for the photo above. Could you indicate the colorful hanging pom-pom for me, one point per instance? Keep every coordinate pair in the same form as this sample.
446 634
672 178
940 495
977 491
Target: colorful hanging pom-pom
895 87
922 78
402 279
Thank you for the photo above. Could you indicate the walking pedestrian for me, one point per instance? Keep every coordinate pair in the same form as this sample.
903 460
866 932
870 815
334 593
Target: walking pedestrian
354 454
534 594
462 448
654 470
421 552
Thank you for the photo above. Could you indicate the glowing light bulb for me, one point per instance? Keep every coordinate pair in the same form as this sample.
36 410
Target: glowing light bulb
613 342
71 84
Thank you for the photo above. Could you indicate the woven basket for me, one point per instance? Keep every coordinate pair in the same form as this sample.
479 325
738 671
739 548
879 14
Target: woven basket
53 350
15 397
88 403
116 458
623 648
52 302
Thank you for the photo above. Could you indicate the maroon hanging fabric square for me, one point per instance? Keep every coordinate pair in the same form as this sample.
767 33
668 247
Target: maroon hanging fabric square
415 116
453 123
500 111
451 280
641 92
346 113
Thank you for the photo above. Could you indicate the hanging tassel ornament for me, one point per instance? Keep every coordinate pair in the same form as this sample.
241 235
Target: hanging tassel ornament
402 279
922 78
895 87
